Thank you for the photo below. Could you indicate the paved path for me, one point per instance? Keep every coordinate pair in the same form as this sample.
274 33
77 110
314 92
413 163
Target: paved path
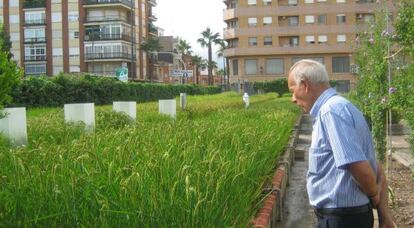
297 211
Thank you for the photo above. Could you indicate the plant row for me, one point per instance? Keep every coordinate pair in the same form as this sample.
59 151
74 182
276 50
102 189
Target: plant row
204 169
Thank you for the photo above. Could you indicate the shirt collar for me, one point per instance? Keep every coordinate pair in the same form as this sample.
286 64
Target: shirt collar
328 93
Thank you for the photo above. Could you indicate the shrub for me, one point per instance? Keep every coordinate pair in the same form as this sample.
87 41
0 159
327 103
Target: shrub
63 89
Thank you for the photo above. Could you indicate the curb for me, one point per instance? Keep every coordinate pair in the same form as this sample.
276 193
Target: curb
272 208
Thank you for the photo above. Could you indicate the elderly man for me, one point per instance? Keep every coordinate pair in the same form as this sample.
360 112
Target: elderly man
342 177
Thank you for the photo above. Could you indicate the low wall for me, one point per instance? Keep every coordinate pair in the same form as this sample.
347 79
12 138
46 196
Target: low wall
272 208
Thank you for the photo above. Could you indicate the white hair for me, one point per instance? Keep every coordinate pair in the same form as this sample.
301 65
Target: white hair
310 70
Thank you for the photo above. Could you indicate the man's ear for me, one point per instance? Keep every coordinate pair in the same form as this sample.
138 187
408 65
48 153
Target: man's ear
306 85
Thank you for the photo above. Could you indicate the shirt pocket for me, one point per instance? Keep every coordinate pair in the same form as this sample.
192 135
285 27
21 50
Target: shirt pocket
316 157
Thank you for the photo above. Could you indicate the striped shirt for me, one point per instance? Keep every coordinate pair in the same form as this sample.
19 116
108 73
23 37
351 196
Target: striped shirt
340 136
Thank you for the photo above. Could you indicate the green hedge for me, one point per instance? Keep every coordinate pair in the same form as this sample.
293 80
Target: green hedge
64 89
279 86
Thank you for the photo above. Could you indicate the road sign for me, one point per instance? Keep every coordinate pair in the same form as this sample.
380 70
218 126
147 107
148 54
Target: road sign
181 73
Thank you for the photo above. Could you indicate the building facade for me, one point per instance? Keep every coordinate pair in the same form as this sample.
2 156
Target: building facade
69 36
266 37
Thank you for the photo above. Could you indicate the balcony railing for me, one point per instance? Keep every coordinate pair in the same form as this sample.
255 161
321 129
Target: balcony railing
108 55
35 40
105 36
34 4
35 58
93 2
107 18
35 22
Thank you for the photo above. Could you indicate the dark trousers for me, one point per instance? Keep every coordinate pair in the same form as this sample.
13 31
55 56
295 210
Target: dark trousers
345 220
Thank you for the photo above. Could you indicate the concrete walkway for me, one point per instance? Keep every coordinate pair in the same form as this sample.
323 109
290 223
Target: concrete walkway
297 211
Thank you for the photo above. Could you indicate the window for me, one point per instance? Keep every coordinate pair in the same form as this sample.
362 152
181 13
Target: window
318 59
73 34
252 21
14 36
310 39
293 21
294 41
322 19
73 51
267 21
309 19
250 66
340 1
14 19
292 2
342 86
35 69
35 17
268 41
34 34
340 64
235 67
309 1
322 39
56 17
251 2
341 38
252 41
267 2
35 53
74 68
322 0
274 66
340 19
14 3
57 52
73 16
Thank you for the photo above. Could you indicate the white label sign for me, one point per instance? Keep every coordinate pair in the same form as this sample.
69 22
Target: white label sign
181 73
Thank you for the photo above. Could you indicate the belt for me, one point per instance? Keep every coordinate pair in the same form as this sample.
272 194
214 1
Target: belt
343 210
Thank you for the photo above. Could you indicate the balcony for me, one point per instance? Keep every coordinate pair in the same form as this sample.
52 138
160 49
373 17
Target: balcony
32 58
106 36
107 18
288 2
152 3
109 56
108 3
152 17
152 29
29 4
35 22
34 40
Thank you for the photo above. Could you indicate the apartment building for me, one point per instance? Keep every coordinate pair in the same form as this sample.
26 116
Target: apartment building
95 36
266 37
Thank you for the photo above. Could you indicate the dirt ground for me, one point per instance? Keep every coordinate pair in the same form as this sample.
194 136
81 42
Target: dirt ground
402 183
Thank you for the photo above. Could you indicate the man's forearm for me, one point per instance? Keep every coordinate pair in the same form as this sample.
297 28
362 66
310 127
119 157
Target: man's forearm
365 176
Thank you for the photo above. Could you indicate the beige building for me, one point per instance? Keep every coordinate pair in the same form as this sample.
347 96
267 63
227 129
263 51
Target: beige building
266 37
96 36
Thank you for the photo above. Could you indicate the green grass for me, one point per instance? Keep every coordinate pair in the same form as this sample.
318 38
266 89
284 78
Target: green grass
204 169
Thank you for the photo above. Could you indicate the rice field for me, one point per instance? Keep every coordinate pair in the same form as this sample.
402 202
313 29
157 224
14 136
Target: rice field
204 169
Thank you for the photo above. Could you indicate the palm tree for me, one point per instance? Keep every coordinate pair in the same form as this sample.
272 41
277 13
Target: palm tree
184 47
199 63
207 40
220 53
151 46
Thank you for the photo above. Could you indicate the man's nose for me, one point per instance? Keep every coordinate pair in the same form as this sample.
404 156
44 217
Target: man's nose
293 99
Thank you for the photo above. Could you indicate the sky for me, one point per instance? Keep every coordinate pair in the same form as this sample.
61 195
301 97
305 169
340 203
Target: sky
188 18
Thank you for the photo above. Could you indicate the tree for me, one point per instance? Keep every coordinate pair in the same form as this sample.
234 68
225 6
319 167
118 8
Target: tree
197 62
207 40
9 77
220 53
5 43
151 46
184 47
